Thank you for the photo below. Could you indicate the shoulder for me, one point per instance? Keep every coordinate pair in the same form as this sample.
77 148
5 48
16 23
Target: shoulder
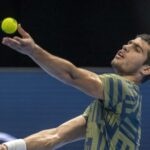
114 84
113 78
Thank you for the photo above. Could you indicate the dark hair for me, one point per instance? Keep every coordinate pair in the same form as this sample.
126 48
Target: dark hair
146 38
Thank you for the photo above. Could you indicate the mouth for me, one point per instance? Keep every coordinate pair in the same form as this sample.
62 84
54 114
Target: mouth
120 54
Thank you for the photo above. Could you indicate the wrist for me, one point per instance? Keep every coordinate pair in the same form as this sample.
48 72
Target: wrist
18 144
35 51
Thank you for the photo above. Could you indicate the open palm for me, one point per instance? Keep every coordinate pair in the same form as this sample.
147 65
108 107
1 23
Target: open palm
24 44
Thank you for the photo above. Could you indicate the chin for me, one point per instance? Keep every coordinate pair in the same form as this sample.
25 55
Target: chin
114 63
117 67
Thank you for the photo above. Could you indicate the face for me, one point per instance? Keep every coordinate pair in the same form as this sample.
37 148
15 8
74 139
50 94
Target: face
131 57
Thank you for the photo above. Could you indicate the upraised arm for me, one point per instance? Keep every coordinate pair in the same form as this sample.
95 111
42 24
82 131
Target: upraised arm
61 69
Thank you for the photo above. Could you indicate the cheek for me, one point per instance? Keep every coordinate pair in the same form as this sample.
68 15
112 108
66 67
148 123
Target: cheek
135 62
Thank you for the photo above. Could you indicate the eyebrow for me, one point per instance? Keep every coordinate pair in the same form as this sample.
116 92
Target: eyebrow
137 45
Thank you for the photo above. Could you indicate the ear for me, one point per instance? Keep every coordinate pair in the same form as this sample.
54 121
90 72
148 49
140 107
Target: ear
145 70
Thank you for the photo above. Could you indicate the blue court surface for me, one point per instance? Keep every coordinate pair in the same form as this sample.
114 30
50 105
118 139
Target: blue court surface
31 100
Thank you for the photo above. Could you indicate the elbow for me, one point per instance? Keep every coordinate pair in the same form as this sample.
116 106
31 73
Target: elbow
66 79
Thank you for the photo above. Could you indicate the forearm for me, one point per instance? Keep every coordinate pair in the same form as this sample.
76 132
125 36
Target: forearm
67 132
53 65
50 139
44 140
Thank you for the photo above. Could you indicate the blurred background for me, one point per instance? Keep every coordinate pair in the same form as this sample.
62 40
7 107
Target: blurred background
87 33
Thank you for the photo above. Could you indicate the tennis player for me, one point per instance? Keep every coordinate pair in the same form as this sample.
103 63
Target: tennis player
113 120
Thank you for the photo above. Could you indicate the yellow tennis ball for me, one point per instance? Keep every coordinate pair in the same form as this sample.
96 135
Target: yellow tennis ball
9 25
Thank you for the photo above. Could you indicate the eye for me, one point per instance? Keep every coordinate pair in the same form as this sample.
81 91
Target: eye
130 42
137 49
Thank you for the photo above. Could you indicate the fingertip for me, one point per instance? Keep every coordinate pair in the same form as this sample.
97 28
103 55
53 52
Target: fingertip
4 40
19 26
20 29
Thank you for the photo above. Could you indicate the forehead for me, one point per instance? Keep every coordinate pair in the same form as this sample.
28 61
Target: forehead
143 44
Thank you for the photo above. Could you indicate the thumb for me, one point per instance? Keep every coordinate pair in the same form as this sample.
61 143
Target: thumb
22 32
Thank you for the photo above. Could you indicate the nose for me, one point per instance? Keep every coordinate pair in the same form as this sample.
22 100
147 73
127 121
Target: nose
125 48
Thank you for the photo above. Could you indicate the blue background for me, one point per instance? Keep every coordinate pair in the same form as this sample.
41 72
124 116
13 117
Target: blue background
31 101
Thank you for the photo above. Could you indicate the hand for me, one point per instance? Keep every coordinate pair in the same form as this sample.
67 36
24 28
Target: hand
24 44
3 147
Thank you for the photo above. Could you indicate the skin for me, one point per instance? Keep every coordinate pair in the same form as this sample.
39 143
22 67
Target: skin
128 62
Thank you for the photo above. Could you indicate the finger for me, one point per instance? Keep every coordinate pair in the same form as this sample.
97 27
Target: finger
22 32
10 42
18 39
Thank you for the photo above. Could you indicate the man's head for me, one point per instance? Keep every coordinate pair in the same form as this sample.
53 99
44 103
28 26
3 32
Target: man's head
133 59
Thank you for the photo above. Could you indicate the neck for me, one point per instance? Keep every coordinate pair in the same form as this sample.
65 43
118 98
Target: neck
136 78
132 79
